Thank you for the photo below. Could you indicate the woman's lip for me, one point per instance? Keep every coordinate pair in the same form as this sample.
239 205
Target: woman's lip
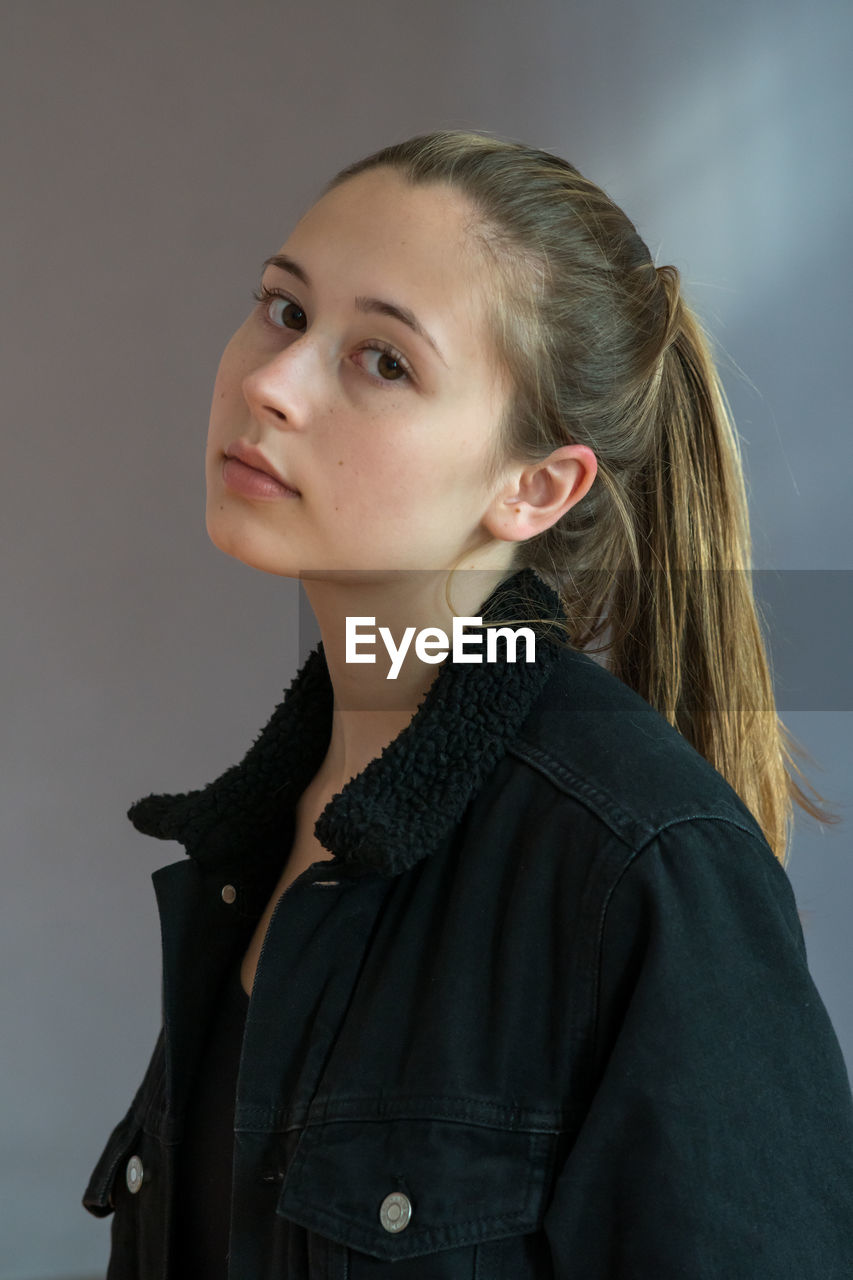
251 482
249 454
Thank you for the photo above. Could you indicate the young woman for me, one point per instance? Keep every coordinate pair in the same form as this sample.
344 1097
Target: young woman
491 968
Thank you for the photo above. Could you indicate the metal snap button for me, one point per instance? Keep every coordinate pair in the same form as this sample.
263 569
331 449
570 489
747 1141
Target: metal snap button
229 893
395 1211
134 1174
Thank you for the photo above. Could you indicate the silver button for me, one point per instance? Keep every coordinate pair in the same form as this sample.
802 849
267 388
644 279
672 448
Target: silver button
395 1211
229 893
134 1174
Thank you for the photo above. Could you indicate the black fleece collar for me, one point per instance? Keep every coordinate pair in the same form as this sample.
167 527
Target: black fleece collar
404 803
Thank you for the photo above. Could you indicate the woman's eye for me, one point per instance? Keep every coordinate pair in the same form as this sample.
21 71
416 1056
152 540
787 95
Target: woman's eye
267 296
387 362
390 365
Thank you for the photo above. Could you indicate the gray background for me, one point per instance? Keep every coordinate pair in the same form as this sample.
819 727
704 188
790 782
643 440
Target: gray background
153 155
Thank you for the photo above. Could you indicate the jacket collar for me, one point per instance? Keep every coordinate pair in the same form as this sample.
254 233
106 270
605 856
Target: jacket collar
404 803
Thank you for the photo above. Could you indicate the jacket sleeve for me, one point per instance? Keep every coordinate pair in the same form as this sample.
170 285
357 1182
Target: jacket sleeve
718 1139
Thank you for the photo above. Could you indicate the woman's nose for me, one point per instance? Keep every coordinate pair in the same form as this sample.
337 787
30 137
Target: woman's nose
281 387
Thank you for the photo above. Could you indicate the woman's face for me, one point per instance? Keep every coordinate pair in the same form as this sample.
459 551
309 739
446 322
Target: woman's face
387 449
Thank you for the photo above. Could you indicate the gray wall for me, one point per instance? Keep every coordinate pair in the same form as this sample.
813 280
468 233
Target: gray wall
158 153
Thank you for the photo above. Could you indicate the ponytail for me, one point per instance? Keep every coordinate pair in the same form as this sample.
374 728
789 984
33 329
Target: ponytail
694 646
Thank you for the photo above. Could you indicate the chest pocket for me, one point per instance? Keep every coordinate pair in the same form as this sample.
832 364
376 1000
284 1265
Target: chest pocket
432 1189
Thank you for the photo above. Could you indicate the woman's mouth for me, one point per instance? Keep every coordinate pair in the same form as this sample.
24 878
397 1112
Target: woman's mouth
252 483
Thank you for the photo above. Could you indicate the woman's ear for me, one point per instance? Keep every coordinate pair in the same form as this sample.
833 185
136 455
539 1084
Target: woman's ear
533 497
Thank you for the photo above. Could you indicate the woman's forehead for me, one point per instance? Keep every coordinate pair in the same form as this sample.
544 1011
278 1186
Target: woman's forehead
378 220
387 194
380 236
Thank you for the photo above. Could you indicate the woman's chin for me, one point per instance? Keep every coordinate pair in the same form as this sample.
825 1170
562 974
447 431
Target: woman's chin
259 551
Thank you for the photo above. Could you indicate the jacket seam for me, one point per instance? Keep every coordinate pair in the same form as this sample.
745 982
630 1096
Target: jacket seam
579 788
626 866
257 1119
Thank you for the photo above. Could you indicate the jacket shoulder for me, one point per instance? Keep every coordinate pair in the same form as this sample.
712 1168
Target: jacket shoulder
601 743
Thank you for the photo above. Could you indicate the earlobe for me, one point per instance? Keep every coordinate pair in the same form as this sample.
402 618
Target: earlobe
505 519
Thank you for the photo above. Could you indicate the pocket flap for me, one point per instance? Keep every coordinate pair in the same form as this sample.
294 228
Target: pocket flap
98 1197
399 1188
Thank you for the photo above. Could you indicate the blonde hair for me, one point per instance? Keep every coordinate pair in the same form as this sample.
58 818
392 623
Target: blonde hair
601 349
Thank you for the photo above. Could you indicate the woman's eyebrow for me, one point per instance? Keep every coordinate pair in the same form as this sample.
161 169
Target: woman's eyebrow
285 263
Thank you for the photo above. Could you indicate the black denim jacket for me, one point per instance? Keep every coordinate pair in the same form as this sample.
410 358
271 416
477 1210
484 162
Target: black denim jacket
546 1013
